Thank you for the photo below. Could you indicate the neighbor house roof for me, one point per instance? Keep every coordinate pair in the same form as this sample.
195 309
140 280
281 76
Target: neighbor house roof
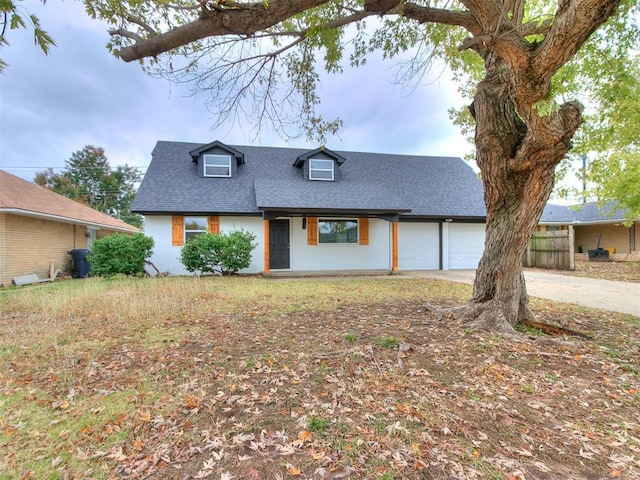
374 183
583 213
20 197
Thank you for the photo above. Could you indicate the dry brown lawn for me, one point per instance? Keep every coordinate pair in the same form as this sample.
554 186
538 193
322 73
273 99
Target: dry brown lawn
616 271
247 378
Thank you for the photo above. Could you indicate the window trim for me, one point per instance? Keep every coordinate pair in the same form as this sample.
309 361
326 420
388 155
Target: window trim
354 220
316 169
212 156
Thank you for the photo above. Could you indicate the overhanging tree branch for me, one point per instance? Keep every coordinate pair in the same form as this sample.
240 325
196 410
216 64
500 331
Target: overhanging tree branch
423 14
227 21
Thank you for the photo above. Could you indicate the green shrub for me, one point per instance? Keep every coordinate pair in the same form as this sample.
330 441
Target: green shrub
224 253
120 255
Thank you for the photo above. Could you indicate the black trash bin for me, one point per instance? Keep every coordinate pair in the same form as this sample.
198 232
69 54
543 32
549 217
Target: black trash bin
81 266
598 255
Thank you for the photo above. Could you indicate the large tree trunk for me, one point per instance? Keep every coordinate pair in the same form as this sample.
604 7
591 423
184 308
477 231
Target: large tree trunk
517 151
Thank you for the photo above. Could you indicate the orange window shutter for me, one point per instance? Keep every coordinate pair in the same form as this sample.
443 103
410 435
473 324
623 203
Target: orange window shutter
312 230
214 224
364 231
177 230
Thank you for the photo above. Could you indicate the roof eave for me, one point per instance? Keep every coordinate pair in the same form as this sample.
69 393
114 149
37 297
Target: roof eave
612 221
325 211
74 221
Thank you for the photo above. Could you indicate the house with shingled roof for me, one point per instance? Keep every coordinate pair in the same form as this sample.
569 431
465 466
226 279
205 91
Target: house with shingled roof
595 225
314 210
38 227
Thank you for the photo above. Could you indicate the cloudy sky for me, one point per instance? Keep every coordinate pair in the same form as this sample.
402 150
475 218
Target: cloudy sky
79 95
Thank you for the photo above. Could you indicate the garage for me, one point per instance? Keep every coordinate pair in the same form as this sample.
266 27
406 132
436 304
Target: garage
418 246
466 244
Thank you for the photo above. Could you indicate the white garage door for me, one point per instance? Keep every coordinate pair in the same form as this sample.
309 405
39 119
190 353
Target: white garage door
418 246
466 244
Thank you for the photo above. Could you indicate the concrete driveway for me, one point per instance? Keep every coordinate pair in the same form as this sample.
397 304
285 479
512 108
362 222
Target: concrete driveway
622 297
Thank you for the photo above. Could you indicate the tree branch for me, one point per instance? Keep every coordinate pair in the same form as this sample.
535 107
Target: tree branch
574 23
240 21
143 24
507 39
423 14
548 137
536 28
126 33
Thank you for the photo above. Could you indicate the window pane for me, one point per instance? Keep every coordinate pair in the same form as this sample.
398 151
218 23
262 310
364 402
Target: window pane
217 165
213 171
337 231
320 175
323 164
195 224
189 235
320 169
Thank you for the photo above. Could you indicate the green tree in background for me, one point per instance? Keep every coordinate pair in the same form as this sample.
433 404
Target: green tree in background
88 178
611 136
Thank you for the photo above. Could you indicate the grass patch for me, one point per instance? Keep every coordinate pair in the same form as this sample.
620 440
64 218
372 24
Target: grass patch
388 342
317 425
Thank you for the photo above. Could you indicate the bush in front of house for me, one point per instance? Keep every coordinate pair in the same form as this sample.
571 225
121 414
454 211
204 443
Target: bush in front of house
224 253
120 254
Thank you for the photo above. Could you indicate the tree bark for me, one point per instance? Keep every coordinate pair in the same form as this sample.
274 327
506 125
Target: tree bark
517 152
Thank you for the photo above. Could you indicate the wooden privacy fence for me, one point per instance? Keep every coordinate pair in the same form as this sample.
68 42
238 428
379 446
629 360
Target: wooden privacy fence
553 250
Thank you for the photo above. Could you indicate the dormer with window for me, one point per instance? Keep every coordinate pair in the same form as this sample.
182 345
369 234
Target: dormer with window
320 165
217 160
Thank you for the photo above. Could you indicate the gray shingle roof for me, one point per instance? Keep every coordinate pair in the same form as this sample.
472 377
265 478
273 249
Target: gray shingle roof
425 186
583 213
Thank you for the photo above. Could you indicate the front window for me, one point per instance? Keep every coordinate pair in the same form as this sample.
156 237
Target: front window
337 231
194 226
320 169
217 165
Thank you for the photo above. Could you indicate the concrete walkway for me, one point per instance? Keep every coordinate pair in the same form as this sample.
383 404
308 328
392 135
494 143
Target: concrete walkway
622 297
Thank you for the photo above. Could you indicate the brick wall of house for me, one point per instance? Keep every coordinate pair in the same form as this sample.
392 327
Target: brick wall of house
616 236
3 256
29 245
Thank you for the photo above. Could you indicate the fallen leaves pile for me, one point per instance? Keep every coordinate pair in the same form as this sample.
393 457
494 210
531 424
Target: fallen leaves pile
363 391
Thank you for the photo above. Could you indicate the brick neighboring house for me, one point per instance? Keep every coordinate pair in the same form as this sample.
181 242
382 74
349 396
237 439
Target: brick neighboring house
592 223
38 226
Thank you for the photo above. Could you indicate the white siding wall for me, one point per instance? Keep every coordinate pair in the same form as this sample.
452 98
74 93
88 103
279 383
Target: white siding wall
375 256
463 245
167 257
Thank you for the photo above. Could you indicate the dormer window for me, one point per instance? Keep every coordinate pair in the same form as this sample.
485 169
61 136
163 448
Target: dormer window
217 160
321 169
320 164
217 165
